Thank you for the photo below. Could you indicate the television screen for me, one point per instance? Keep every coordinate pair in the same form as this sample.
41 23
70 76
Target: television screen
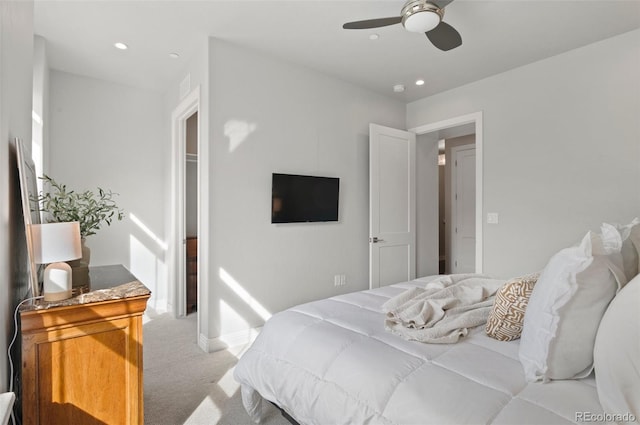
300 199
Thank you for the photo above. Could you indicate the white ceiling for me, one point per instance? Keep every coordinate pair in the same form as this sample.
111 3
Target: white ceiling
497 36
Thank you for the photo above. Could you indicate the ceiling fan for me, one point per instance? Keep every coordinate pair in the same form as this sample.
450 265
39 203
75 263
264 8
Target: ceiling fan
419 16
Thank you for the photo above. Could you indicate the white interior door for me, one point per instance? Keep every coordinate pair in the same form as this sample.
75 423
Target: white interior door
392 186
463 209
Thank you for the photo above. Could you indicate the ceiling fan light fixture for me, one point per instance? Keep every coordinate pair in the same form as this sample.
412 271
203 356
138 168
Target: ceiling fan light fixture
422 21
421 16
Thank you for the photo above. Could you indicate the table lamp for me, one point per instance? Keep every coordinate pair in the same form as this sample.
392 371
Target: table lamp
54 243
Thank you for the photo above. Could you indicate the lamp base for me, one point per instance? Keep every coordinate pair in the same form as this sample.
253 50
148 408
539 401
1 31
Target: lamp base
57 282
57 296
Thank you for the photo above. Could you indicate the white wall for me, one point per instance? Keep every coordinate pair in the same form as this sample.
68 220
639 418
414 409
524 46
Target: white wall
561 148
40 114
270 116
16 56
115 137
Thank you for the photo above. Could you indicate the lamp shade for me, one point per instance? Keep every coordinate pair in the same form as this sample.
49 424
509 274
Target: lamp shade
54 242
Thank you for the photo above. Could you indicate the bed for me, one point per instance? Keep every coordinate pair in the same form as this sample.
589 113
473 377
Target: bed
346 360
332 362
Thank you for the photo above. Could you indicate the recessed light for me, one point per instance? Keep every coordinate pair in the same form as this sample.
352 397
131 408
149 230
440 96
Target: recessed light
420 82
121 46
374 36
398 88
174 55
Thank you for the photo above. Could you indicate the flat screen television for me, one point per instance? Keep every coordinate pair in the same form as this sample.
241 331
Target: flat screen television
303 199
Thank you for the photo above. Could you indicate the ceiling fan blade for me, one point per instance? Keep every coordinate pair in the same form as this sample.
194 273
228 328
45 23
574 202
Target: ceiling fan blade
372 23
440 3
444 37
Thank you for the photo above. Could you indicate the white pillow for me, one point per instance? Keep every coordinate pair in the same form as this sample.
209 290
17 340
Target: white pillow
630 247
616 354
566 305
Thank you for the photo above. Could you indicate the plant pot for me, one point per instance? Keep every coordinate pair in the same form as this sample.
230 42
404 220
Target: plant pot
86 252
80 280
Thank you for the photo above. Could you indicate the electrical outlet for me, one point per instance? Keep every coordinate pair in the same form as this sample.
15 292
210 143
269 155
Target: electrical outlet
493 218
339 280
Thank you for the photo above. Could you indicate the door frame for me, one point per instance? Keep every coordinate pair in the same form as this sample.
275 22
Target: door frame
177 235
476 119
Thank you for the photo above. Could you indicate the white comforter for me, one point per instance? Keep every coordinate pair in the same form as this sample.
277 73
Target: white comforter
332 362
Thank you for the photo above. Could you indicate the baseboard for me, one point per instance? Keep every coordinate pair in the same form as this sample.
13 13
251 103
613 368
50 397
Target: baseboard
234 339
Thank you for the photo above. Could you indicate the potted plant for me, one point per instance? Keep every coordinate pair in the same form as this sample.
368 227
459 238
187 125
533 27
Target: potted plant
91 209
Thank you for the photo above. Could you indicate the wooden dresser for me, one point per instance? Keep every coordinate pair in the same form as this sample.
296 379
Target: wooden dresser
82 357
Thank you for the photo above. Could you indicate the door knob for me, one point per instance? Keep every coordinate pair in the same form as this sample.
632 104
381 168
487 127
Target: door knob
375 240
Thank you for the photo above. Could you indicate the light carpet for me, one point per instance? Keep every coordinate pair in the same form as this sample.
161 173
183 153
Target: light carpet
184 385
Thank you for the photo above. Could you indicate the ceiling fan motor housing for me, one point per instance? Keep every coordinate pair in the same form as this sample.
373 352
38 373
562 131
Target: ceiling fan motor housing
421 16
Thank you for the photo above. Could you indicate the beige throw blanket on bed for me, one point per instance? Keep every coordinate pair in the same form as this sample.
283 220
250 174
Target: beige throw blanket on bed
444 310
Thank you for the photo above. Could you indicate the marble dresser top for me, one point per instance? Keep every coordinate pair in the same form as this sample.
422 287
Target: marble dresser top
107 283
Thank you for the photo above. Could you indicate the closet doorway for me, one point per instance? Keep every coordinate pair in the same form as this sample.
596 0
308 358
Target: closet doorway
191 214
185 241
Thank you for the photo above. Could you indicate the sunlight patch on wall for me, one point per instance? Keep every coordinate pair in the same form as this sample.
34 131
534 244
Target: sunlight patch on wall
147 262
161 244
142 262
37 146
149 270
234 329
36 119
244 295
230 320
237 131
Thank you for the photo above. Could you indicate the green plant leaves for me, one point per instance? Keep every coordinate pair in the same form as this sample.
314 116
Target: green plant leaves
90 209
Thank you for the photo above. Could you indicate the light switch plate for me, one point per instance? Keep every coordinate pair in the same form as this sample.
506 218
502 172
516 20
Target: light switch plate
492 218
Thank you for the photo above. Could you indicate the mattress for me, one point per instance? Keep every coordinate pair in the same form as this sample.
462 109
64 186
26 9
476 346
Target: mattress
332 362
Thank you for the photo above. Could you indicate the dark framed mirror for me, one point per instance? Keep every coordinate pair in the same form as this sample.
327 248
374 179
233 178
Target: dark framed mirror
30 210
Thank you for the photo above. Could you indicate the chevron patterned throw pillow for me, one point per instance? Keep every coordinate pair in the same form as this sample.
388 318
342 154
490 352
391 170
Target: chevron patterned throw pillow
507 315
